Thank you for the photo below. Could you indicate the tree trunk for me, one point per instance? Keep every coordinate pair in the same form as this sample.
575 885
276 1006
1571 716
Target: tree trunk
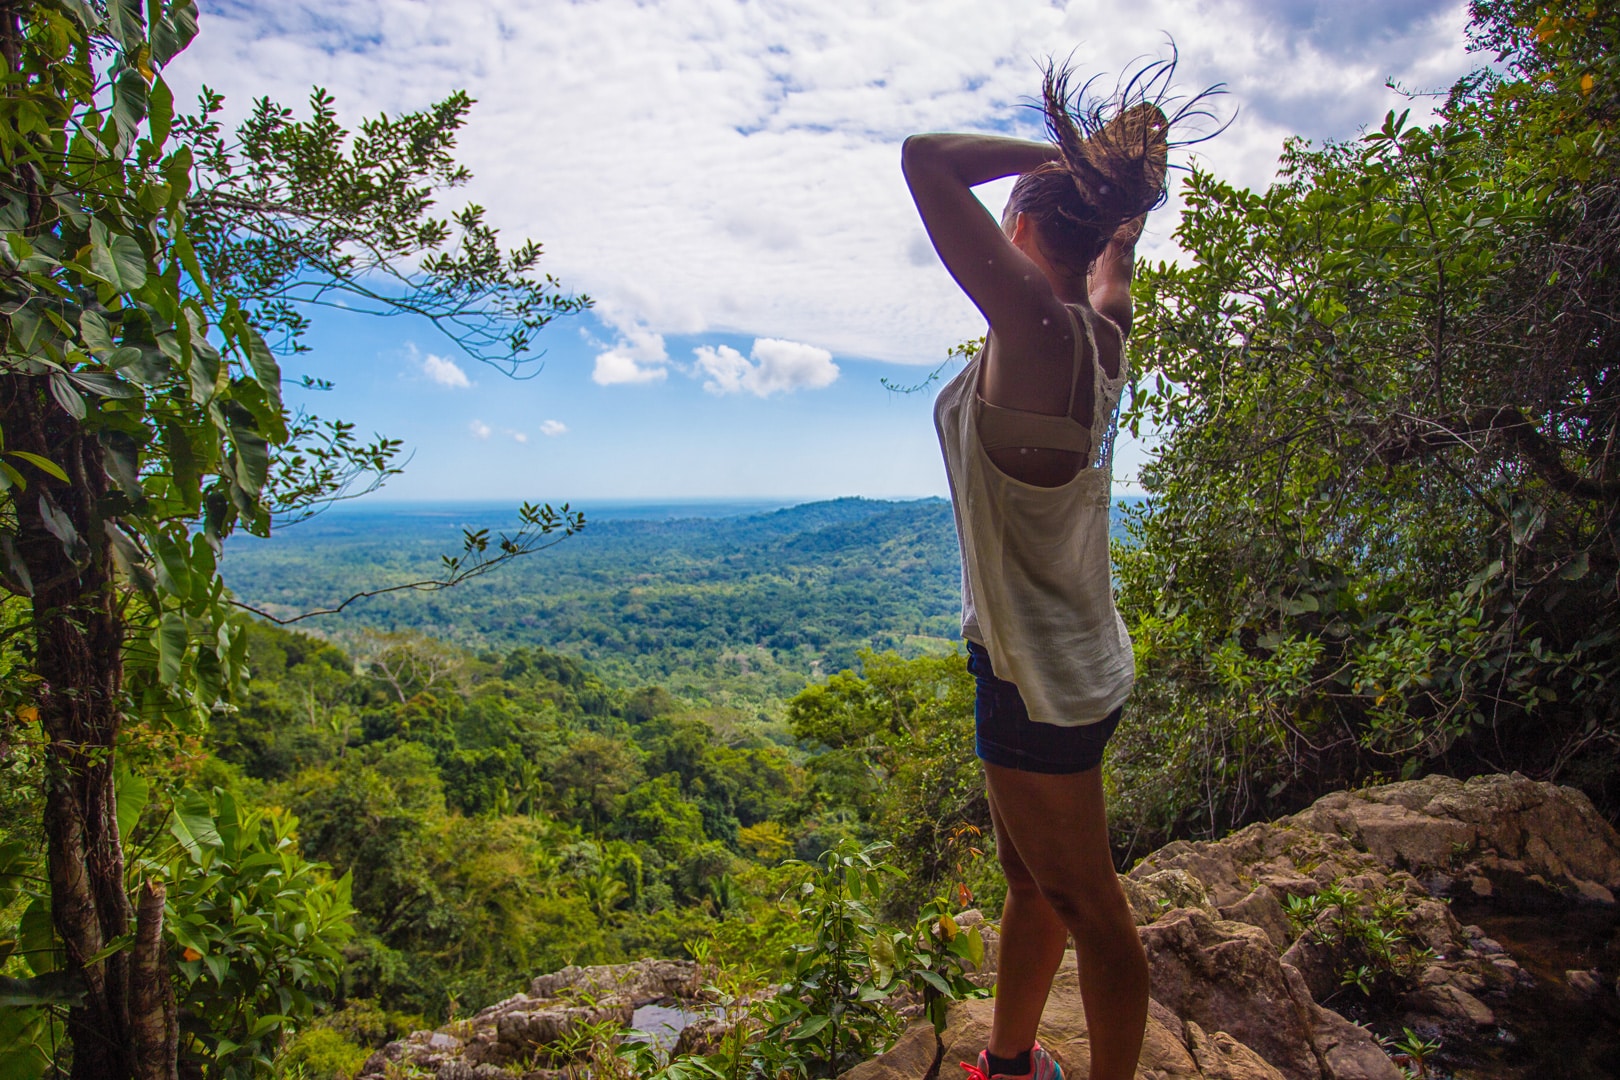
78 656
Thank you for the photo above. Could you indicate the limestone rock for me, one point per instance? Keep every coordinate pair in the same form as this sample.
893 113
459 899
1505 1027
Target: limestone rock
1491 827
1345 1051
1316 962
1348 1051
1221 1057
1585 983
1261 908
1063 1031
642 983
1226 976
532 1030
1450 1003
488 1045
702 1036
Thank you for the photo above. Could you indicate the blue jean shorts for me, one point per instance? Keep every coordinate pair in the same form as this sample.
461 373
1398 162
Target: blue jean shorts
1005 735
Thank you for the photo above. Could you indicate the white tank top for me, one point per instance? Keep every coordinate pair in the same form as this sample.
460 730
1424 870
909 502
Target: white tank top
1037 591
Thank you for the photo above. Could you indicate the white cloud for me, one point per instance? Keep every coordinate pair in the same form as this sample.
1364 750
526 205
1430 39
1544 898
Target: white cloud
776 366
638 356
735 167
724 366
552 428
479 429
518 436
445 372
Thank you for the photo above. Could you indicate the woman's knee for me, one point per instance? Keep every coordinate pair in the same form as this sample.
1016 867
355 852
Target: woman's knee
1090 910
1019 879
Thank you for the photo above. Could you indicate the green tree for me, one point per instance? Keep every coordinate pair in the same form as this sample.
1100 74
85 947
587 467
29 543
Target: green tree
910 724
153 264
1381 537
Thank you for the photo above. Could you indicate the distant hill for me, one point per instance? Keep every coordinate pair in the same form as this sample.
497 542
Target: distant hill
734 610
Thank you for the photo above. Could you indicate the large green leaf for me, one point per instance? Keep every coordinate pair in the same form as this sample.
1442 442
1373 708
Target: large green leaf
29 332
59 525
103 384
26 1038
44 464
118 260
174 30
67 397
131 791
171 646
205 371
129 101
126 22
266 371
173 572
252 456
194 820
17 865
36 937
810 1028
160 112
97 335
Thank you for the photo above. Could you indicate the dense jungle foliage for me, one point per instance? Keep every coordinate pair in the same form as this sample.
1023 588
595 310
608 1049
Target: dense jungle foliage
738 610
1383 538
505 813
1383 533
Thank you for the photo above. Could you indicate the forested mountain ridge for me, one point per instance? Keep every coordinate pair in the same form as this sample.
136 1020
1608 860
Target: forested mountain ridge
736 609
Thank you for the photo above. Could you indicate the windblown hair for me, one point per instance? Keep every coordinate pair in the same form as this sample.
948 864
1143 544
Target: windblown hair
1114 158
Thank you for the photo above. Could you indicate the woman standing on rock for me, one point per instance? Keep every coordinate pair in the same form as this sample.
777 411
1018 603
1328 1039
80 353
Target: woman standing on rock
1027 430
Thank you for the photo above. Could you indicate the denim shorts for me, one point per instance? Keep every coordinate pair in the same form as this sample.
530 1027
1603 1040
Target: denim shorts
1006 736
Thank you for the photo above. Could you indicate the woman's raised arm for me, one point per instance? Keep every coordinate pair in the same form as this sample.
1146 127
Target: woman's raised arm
1001 281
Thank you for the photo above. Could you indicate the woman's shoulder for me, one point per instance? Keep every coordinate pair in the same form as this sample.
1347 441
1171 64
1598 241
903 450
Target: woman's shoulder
1106 339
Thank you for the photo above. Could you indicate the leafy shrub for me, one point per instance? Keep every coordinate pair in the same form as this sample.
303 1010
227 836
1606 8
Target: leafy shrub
256 930
320 1053
1371 940
832 1012
363 1022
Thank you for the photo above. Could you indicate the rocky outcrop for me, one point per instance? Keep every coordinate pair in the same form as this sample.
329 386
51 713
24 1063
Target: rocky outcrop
1242 992
1226 977
1248 940
1481 835
503 1041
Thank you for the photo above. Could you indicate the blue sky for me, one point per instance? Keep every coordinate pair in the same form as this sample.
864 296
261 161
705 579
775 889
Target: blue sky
477 434
722 176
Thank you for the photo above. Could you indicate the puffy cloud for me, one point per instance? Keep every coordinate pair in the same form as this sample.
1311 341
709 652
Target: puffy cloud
445 372
776 365
552 428
518 436
479 429
735 167
638 356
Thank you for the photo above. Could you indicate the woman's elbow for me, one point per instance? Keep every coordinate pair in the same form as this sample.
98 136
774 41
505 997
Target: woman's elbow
916 150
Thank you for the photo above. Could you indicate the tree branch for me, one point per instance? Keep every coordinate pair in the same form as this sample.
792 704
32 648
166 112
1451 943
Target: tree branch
472 563
1425 435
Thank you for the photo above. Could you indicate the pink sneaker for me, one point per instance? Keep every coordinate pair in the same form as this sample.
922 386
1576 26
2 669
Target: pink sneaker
1041 1067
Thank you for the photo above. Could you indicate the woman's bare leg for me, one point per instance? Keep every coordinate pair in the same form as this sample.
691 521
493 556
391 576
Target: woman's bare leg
1058 828
1032 942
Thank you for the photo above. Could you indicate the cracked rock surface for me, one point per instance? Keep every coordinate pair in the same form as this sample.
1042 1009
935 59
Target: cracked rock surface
500 1042
1240 993
1239 990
